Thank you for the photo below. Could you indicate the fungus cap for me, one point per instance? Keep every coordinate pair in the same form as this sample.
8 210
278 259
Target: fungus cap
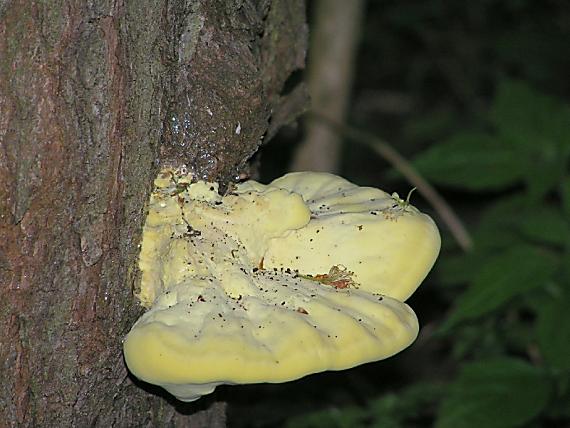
388 244
271 283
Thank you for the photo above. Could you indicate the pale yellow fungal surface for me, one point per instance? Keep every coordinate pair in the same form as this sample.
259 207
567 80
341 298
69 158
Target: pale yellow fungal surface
388 244
271 283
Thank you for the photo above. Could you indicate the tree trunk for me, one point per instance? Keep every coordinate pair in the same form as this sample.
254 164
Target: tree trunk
94 97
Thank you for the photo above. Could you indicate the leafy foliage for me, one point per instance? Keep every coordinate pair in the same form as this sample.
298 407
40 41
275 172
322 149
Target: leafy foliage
513 305
510 274
553 330
494 394
507 326
472 161
407 408
531 145
489 126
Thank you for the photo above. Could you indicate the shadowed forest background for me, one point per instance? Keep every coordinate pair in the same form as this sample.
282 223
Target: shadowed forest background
468 102
475 96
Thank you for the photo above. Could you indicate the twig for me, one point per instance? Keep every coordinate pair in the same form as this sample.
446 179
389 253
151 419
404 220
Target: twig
443 209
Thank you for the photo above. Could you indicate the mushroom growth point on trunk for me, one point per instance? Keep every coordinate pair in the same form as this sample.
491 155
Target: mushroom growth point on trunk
270 283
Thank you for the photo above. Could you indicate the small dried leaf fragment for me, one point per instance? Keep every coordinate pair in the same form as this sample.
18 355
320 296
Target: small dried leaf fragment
338 277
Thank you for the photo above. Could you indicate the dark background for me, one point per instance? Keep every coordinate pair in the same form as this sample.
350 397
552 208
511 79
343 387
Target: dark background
475 95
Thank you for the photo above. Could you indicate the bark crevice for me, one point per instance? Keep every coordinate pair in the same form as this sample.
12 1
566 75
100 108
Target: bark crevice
87 91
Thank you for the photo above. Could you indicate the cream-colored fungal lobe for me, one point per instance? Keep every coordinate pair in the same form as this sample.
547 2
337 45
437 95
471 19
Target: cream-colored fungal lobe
238 289
388 244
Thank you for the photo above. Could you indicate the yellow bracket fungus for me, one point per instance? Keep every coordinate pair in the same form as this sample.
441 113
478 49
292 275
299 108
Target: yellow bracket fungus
270 283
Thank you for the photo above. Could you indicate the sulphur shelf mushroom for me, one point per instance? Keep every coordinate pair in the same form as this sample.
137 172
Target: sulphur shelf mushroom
270 283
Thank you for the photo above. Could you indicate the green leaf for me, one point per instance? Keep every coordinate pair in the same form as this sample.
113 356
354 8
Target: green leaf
531 118
477 340
538 125
553 330
559 410
347 417
544 224
459 268
472 161
454 269
565 195
544 172
509 274
532 145
416 402
494 393
389 410
497 229
509 219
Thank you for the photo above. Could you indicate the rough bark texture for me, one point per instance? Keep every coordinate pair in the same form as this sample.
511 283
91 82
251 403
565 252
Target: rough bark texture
228 80
94 96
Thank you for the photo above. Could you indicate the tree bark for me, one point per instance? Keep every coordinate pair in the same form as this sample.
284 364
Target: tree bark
94 97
